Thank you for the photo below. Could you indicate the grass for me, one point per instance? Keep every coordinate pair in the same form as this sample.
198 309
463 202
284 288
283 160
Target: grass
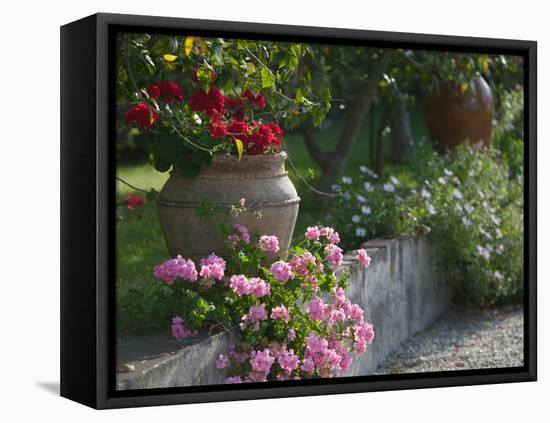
144 304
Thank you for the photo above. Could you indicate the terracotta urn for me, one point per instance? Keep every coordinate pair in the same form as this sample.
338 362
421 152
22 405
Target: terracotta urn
261 180
453 118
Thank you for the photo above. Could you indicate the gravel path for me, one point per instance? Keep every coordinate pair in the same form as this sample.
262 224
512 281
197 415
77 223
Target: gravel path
462 339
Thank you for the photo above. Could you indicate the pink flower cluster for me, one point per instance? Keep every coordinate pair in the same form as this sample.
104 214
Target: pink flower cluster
261 362
334 255
314 233
176 268
339 311
180 330
288 361
282 271
363 258
364 335
328 358
222 362
241 234
300 264
280 312
269 243
253 286
255 314
212 267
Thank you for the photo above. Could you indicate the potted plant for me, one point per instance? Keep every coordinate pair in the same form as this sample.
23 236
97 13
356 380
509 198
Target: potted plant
213 110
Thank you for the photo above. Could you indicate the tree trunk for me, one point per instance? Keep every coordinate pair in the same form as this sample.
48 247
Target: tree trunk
332 163
401 133
379 143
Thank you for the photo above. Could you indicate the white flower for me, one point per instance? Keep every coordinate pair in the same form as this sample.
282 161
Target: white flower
495 220
366 210
447 172
484 233
430 208
360 232
499 276
389 187
469 209
336 188
355 218
394 180
347 195
361 198
457 194
369 187
197 119
459 208
466 221
480 194
425 193
441 180
498 233
346 180
364 169
484 252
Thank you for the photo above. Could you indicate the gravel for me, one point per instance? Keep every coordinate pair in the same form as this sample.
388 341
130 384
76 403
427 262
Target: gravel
462 339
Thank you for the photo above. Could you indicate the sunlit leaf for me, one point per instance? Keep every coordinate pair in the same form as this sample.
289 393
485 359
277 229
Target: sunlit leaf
169 58
240 147
188 45
267 78
250 68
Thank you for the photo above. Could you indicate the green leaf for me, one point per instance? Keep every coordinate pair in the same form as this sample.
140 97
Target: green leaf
267 78
299 96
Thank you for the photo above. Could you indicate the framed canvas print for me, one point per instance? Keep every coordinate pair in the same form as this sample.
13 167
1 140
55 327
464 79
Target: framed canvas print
256 211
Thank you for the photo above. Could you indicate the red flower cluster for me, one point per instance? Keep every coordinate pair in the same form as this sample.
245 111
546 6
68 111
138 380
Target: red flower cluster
165 91
141 115
212 103
133 201
227 115
258 137
257 100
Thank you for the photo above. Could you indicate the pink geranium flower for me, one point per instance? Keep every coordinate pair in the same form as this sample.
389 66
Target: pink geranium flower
363 258
269 243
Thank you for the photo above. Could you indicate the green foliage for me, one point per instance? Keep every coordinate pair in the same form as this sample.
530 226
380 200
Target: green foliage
195 63
508 130
469 204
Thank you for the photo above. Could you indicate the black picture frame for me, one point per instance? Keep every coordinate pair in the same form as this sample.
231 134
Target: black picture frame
87 212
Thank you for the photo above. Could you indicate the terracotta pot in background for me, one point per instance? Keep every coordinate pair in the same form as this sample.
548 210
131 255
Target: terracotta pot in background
261 180
452 117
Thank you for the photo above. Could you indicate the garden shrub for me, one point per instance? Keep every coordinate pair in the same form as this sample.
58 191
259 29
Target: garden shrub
468 202
291 318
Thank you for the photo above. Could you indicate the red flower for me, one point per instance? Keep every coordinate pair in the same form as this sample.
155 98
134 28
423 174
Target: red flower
217 130
133 201
141 115
257 100
194 75
263 139
153 91
277 131
235 107
165 91
238 127
210 103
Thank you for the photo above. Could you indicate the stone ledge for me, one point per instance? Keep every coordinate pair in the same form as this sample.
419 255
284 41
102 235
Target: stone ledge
402 292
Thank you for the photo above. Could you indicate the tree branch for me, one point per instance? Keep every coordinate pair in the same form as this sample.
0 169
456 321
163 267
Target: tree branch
362 105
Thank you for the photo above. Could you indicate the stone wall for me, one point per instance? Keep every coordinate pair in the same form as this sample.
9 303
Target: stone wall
402 292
